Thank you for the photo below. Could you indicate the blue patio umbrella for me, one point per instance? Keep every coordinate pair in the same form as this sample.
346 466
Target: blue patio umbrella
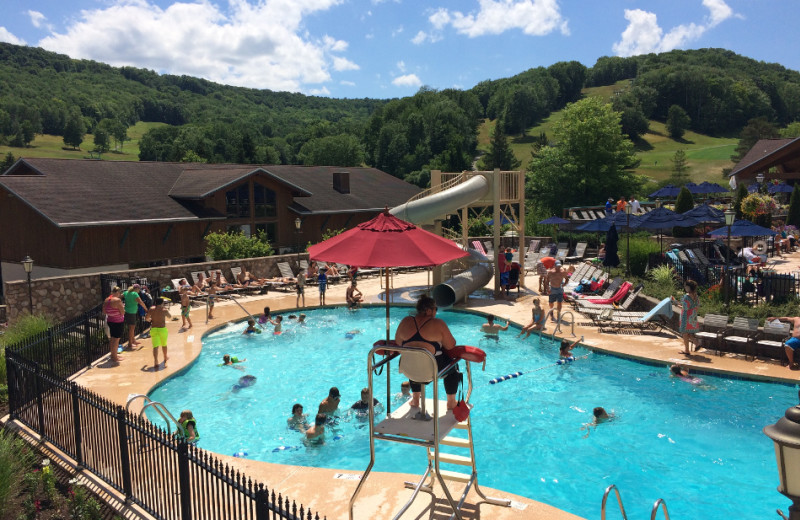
620 218
781 187
752 188
612 240
669 191
743 228
694 189
503 221
554 220
705 214
712 187
661 219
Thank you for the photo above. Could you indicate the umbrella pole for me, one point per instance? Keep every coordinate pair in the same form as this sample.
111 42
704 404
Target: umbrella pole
388 363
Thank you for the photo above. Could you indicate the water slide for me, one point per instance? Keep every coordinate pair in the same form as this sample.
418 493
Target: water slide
427 209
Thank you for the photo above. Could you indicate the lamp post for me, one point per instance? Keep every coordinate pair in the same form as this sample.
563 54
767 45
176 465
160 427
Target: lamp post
730 216
628 246
786 436
297 224
760 180
27 264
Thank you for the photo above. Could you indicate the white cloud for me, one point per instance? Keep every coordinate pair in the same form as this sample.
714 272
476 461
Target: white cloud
340 64
7 37
533 17
347 83
36 18
397 31
407 80
419 38
643 34
319 91
262 44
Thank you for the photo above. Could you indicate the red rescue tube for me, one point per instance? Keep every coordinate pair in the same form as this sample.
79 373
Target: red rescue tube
468 353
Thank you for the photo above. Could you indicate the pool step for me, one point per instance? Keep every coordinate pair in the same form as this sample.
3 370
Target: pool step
458 442
455 476
450 458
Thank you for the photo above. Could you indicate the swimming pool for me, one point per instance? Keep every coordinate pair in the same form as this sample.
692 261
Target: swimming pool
699 447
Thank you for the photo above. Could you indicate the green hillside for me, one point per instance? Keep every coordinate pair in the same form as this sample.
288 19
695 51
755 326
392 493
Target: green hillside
707 156
53 147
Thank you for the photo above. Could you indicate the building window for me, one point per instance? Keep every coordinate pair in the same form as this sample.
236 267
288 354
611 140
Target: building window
271 229
240 228
238 202
264 199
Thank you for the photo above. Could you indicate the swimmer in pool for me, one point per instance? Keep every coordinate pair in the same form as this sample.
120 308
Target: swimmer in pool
683 374
599 416
490 328
244 382
298 421
231 361
251 327
278 326
537 319
566 347
316 434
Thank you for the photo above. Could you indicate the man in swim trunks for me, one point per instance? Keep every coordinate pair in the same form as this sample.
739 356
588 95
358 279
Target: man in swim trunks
361 406
353 295
301 288
185 305
157 316
791 344
316 433
555 279
491 328
427 331
331 403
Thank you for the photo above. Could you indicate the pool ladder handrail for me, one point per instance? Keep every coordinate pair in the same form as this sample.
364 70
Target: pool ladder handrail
234 300
660 502
619 501
561 316
157 406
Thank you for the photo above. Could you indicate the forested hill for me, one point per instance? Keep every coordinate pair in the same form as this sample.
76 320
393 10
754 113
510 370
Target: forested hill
44 92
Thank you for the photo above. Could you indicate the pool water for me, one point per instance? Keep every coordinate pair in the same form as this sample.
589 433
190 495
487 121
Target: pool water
699 447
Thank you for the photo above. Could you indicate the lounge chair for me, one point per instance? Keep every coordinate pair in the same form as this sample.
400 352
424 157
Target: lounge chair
624 305
200 279
772 344
714 326
580 250
741 335
223 285
655 319
286 271
250 285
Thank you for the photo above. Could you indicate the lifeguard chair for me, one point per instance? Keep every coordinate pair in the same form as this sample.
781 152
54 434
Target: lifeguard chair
415 426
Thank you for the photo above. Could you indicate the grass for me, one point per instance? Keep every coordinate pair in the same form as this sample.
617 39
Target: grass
53 147
706 155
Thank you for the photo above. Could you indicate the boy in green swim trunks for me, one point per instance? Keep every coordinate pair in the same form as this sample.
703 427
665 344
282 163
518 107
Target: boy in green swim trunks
157 316
185 304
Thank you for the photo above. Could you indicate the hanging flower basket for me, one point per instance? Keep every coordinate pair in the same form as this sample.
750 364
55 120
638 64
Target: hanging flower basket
757 204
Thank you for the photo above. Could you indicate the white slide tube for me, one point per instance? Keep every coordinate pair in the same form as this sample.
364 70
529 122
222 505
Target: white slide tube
427 209
463 284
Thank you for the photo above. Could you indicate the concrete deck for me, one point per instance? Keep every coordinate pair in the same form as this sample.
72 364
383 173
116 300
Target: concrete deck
328 491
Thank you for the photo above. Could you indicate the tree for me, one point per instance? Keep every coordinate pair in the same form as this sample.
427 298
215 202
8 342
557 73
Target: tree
791 131
334 150
8 162
74 129
677 121
755 130
683 203
102 143
232 246
741 193
680 169
590 160
500 154
793 216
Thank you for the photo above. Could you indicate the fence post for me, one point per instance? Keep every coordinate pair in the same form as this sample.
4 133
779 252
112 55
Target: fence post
50 350
37 378
76 421
183 480
262 503
12 385
127 486
87 342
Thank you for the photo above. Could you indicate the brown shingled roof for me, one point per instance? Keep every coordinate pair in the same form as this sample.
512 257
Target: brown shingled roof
71 192
760 157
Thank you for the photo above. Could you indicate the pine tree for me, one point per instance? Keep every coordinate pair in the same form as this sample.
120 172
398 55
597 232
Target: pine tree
680 168
500 154
684 203
741 193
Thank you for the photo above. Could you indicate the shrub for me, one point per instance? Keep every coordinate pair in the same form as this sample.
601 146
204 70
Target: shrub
685 202
640 250
231 246
15 460
26 326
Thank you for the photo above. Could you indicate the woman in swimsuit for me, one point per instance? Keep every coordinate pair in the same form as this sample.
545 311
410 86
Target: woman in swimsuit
426 331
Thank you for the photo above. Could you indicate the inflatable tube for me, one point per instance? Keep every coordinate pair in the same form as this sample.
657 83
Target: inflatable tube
467 353
435 206
285 448
460 286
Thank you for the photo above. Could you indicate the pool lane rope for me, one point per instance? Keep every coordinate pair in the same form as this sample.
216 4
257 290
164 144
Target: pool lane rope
515 375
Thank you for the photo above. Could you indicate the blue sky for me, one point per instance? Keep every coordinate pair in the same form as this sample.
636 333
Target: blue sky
390 48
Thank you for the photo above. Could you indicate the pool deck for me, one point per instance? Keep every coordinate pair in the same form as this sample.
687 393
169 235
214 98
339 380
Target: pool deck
328 491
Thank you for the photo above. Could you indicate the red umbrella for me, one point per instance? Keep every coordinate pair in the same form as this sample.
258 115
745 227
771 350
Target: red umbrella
386 241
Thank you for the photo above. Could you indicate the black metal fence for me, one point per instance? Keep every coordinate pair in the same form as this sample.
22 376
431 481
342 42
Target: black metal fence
167 477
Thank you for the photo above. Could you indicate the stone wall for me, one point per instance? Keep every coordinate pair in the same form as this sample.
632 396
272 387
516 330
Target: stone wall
64 297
